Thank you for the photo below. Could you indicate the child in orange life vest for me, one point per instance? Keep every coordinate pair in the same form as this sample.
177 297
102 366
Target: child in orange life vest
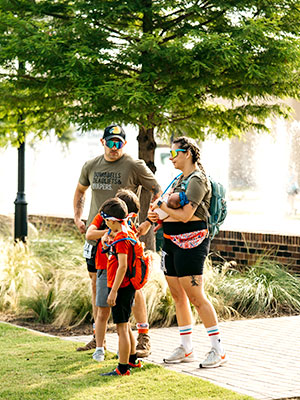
121 292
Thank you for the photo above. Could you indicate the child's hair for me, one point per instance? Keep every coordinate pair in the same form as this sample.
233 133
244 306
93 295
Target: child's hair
115 207
130 198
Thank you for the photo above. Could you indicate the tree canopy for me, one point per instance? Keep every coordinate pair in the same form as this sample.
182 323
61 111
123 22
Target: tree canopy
171 66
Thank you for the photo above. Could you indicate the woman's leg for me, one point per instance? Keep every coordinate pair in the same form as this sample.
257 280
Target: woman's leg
193 287
184 353
182 305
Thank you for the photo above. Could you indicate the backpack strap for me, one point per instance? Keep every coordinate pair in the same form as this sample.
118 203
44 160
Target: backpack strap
111 245
133 242
184 185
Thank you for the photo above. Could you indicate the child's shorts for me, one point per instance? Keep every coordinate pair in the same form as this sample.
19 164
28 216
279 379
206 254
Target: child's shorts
101 288
122 310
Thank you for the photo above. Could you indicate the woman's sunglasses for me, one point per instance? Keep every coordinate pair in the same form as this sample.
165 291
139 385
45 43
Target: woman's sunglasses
174 153
110 144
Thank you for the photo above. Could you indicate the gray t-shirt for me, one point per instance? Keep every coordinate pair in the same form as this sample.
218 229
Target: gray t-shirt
106 178
198 191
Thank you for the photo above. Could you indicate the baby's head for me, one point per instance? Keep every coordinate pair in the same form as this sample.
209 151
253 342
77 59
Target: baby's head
174 201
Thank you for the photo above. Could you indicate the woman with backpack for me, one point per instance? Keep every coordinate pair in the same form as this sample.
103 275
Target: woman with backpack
186 245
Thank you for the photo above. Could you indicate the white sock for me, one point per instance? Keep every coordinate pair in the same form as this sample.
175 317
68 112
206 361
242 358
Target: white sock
100 348
186 337
215 338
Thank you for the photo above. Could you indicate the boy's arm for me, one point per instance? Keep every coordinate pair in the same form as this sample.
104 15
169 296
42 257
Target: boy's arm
121 271
93 233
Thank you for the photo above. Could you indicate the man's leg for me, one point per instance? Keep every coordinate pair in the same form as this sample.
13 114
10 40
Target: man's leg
103 313
139 310
93 276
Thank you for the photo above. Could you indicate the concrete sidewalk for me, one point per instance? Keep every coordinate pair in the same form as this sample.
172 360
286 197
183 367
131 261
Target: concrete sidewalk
264 355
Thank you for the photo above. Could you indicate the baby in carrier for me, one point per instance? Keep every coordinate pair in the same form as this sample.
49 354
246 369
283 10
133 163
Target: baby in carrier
173 200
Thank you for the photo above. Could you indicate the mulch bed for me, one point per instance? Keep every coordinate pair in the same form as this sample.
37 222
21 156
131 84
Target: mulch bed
83 329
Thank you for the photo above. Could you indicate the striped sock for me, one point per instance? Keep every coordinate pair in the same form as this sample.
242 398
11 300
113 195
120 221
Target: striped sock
215 338
186 337
142 327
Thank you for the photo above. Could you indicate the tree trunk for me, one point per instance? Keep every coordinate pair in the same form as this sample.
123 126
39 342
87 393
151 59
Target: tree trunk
147 147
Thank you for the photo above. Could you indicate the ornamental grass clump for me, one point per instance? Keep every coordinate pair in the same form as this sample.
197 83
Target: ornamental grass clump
72 297
47 280
266 288
160 305
20 275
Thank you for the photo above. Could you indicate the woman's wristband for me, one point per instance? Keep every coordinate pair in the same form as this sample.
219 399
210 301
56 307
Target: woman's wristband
149 220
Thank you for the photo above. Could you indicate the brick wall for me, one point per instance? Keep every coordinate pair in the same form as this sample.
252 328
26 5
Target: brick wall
243 247
246 247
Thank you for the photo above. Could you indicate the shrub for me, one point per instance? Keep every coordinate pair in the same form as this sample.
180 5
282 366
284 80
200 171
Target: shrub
266 288
47 280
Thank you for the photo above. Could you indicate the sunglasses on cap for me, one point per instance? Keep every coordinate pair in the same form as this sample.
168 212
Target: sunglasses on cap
110 144
174 153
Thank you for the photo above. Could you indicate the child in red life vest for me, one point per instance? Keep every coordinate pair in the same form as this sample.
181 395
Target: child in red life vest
121 291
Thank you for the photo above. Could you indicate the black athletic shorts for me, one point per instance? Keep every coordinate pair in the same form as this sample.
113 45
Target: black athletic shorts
90 262
122 310
180 262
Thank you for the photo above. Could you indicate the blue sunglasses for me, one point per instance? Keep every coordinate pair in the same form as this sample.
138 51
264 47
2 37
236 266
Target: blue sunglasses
174 153
110 144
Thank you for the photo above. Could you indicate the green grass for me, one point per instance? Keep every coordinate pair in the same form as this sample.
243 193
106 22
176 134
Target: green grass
35 367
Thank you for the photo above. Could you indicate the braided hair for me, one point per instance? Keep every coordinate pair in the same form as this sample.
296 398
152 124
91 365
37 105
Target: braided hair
187 143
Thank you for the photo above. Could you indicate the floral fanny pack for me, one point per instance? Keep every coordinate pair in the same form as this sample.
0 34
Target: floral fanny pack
188 240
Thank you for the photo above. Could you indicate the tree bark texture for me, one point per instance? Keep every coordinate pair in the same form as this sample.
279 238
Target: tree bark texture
147 147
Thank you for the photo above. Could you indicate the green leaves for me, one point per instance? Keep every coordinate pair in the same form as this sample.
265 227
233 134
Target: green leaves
219 67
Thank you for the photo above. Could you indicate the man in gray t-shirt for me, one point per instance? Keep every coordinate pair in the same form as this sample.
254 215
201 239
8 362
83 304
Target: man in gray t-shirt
106 174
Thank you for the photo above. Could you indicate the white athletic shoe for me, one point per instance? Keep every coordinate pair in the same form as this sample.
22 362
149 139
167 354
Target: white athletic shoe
180 355
98 355
213 359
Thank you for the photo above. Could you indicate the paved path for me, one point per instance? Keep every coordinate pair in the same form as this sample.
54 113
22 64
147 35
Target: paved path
264 355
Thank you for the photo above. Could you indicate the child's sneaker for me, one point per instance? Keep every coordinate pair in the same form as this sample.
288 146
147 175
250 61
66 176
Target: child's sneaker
116 372
137 364
180 355
213 359
98 355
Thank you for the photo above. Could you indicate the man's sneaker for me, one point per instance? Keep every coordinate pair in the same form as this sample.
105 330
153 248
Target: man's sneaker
98 355
180 355
89 346
143 348
213 359
137 364
115 372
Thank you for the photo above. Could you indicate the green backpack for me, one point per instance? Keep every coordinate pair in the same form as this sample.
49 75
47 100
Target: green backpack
217 211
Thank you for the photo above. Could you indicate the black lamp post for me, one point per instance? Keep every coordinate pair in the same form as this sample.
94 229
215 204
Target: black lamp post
20 202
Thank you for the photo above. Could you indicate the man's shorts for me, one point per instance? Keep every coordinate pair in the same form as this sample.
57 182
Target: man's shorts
122 310
101 288
90 262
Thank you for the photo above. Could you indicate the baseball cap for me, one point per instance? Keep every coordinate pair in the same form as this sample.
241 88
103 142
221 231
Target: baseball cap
114 132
